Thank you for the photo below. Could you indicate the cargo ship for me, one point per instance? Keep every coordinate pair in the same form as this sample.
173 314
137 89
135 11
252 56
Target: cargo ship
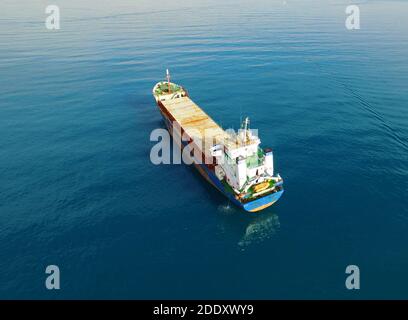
234 163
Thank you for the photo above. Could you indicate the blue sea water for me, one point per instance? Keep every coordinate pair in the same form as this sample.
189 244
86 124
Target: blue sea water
78 190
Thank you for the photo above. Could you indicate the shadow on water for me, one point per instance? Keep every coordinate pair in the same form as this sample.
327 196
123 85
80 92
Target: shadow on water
247 228
260 229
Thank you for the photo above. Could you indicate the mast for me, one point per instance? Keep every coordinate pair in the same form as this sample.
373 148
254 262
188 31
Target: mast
246 124
246 129
244 133
168 79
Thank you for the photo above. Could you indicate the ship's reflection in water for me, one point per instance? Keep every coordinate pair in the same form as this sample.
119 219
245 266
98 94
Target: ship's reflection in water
260 229
247 228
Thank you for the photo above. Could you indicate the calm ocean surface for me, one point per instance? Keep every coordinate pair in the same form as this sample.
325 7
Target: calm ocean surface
78 189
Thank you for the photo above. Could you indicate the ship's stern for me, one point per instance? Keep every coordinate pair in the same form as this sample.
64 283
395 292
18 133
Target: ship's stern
263 202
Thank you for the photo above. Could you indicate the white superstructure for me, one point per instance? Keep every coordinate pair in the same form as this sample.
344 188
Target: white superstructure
241 162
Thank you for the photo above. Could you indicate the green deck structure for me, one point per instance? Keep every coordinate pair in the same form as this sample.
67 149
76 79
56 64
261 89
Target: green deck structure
163 88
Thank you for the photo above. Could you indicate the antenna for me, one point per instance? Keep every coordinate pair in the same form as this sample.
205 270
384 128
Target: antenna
245 129
246 123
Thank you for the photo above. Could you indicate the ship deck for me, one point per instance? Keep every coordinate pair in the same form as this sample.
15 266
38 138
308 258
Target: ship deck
195 122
